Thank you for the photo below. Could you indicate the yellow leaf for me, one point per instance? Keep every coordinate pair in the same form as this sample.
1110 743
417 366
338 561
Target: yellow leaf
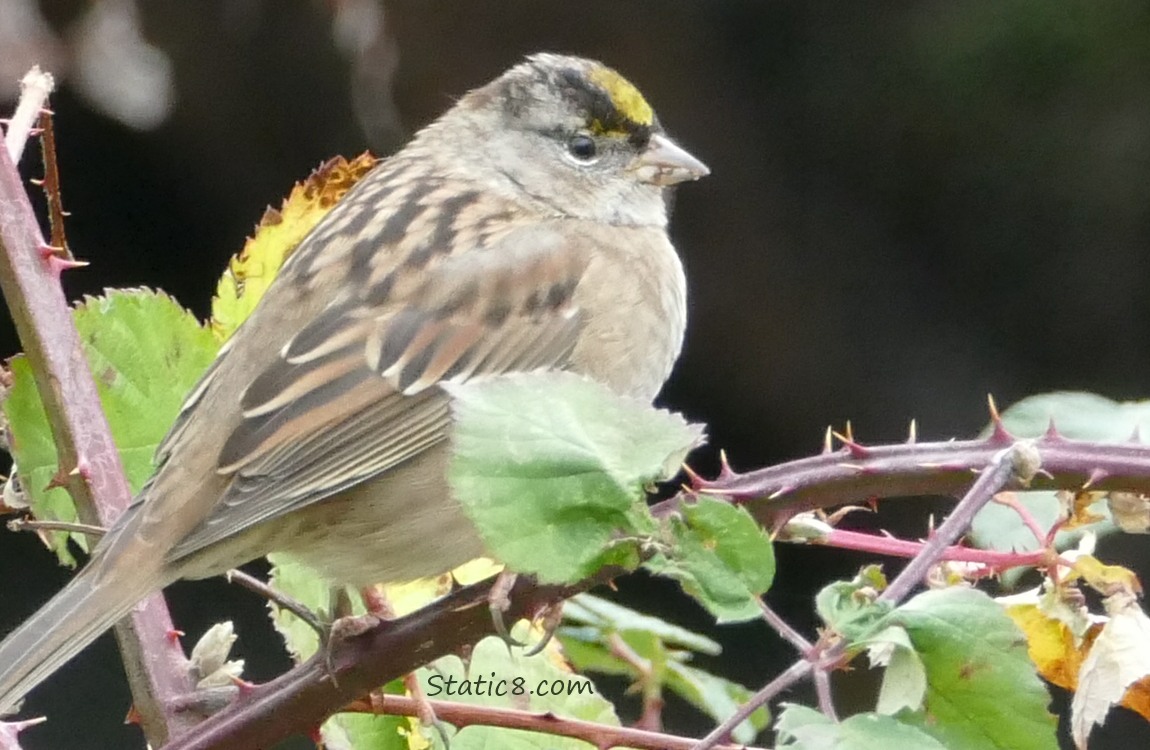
405 598
279 232
1106 579
1051 644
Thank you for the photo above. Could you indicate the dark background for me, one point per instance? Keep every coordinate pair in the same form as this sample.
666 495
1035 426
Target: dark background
911 205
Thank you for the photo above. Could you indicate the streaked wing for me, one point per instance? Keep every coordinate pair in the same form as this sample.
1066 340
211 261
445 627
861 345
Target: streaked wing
355 392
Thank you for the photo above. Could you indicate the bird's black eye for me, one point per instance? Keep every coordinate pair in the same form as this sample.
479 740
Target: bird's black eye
582 147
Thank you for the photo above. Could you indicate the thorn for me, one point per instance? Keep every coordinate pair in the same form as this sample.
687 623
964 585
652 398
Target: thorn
47 111
59 479
1001 434
243 686
1096 475
1052 435
856 450
133 716
781 491
828 441
57 265
695 480
850 433
36 182
725 471
912 437
174 635
47 251
82 469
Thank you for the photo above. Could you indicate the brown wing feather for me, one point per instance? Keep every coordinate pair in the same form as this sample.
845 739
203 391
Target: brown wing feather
355 392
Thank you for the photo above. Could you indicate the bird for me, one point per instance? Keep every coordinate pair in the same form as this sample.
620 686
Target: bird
525 229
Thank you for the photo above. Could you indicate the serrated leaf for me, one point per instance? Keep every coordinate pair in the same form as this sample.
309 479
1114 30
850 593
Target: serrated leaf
145 353
982 689
1119 657
300 582
802 728
904 677
851 608
279 232
551 468
721 557
493 668
362 731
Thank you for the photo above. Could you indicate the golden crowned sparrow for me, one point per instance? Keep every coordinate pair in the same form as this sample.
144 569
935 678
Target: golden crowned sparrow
526 228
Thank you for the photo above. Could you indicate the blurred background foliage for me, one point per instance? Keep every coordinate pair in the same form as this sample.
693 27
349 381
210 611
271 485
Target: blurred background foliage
912 205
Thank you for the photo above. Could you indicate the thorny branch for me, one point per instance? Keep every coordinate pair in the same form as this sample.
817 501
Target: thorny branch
89 464
1019 464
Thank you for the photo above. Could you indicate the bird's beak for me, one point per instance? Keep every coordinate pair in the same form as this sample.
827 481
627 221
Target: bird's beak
666 163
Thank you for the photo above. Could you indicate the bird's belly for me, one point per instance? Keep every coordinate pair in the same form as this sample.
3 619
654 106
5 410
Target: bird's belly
395 529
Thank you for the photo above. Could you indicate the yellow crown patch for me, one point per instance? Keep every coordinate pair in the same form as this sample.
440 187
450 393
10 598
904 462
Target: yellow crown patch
626 98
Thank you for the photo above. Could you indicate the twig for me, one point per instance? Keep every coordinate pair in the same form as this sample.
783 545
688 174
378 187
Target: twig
651 718
992 560
598 735
278 598
1001 470
784 629
26 524
35 87
765 695
89 462
51 185
822 680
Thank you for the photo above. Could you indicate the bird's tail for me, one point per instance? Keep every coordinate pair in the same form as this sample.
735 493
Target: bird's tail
76 616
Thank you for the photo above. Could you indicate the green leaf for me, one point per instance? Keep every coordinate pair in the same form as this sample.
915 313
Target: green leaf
590 625
346 730
802 728
850 607
717 697
721 557
1078 415
300 582
354 731
530 683
551 468
982 689
608 617
904 680
145 353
